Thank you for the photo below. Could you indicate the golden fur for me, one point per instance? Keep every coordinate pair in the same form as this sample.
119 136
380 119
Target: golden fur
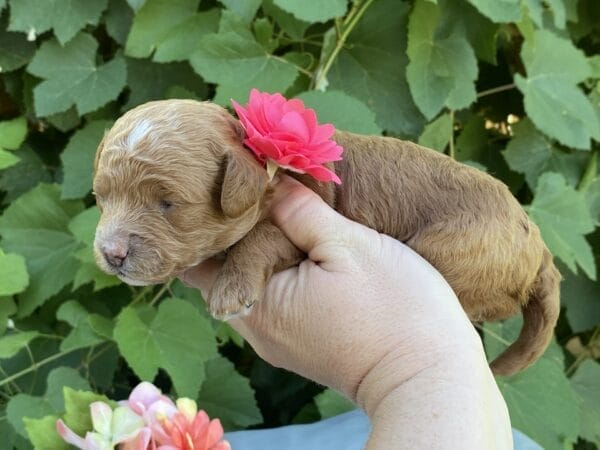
176 185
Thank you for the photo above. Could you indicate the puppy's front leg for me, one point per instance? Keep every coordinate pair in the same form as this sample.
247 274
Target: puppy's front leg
249 265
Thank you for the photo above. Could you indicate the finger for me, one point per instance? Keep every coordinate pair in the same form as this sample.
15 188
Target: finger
304 217
203 275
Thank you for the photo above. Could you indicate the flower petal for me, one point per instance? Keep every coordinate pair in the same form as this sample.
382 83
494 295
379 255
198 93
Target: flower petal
68 435
294 123
101 417
141 442
126 425
95 441
287 132
187 407
143 396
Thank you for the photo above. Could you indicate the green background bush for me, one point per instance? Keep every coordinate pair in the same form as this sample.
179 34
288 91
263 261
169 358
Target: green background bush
511 87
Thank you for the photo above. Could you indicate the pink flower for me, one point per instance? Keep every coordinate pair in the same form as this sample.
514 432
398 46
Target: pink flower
286 133
189 429
148 402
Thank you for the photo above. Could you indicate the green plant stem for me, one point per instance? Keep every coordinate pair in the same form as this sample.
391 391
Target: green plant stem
589 175
35 366
160 293
505 87
299 68
141 295
348 25
583 356
492 334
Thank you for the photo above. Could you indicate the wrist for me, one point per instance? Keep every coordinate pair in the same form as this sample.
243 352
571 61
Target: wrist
452 402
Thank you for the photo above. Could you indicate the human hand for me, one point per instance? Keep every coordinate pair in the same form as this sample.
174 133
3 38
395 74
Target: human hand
363 314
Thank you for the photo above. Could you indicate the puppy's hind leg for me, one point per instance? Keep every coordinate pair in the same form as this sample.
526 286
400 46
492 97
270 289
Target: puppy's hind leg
248 266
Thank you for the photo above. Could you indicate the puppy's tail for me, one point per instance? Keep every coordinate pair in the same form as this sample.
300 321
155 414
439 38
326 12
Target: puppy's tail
539 319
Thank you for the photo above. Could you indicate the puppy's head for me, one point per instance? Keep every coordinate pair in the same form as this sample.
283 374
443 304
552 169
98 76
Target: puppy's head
175 186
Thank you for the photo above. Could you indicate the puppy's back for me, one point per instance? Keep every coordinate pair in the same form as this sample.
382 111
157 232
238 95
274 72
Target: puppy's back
465 223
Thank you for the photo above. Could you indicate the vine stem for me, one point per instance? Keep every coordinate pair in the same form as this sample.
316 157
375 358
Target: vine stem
165 287
35 366
347 26
504 87
582 356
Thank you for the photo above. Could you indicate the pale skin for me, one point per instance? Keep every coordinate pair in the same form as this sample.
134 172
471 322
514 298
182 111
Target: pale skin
367 316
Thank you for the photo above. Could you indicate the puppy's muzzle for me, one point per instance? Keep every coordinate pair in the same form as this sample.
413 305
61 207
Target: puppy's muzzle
115 252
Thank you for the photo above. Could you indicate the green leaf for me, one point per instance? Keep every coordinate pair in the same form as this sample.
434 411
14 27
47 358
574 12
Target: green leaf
536 10
177 333
82 335
563 217
499 10
66 17
581 298
23 405
480 31
13 133
246 9
532 153
585 384
10 345
293 27
182 40
60 378
77 409
227 395
70 16
78 159
592 195
371 67
13 274
311 12
331 403
72 77
27 173
548 419
344 111
437 134
234 60
7 309
118 20
442 69
136 4
7 159
15 50
150 81
152 23
552 99
35 226
43 435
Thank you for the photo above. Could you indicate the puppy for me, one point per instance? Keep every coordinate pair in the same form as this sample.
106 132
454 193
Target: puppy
176 186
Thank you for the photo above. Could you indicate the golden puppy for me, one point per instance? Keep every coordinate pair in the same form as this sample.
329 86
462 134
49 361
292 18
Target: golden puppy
176 186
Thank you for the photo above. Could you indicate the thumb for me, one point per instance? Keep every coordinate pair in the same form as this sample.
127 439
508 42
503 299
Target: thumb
306 220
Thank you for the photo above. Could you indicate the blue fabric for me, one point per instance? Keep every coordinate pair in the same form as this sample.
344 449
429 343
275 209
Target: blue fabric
344 432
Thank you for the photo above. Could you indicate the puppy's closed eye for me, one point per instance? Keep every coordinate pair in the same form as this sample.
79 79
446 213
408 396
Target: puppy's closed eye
165 206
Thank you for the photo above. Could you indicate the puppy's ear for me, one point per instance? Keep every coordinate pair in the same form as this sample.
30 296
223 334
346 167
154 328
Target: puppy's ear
244 182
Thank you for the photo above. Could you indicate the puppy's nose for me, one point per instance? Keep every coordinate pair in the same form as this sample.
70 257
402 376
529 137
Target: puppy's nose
115 253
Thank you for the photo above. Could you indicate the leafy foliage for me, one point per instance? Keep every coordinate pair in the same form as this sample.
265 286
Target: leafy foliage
509 86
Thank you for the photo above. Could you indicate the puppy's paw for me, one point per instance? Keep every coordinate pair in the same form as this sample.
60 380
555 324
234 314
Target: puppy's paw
232 297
